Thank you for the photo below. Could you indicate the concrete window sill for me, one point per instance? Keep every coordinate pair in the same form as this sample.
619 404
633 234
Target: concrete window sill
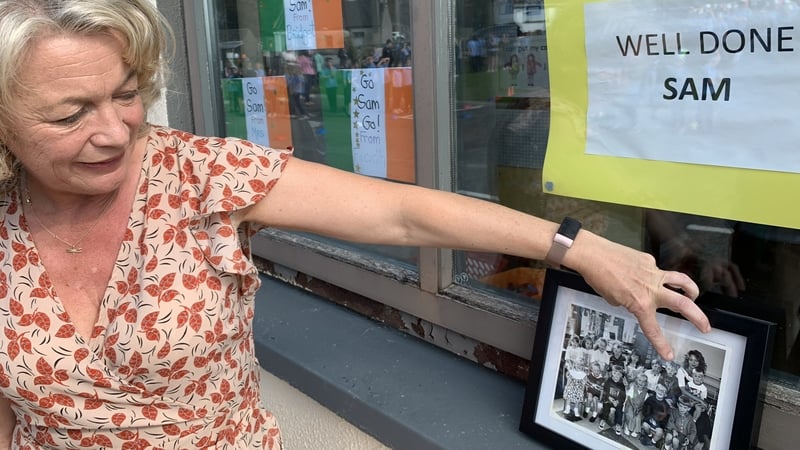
404 392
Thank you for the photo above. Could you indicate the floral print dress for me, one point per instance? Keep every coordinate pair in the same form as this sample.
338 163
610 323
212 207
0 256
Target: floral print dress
170 363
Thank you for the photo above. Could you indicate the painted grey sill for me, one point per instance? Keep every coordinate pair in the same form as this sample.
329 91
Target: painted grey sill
404 392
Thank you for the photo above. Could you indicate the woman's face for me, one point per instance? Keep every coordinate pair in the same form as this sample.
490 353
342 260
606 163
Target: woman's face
78 115
693 361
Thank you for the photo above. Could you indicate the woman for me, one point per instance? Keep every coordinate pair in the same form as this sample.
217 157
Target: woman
693 360
140 335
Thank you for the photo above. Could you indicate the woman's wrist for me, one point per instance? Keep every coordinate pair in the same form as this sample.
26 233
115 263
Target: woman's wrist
580 254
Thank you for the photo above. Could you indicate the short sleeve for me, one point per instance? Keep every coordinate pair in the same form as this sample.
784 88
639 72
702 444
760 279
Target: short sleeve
218 177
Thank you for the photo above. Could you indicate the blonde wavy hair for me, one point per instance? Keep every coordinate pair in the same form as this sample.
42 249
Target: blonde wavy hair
145 32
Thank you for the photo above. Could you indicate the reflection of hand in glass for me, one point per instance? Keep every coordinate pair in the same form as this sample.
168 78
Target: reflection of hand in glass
676 250
720 275
712 273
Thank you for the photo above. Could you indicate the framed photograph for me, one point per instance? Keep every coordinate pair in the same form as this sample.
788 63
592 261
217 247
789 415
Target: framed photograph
596 382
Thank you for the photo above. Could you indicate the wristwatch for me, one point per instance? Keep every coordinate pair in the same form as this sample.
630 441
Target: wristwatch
562 241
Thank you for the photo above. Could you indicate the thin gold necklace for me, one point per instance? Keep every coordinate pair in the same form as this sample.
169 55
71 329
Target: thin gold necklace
72 247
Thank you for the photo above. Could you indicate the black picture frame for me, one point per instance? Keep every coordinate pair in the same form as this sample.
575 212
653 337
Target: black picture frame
737 352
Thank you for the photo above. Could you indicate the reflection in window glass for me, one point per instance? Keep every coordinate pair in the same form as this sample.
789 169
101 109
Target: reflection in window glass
501 78
331 79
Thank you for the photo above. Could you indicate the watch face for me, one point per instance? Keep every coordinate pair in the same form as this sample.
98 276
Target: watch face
569 227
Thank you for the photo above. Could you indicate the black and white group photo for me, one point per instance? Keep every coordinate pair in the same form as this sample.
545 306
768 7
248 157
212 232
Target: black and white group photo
612 382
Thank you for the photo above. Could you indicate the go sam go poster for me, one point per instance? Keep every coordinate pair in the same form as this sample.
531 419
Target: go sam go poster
674 106
301 24
374 133
257 109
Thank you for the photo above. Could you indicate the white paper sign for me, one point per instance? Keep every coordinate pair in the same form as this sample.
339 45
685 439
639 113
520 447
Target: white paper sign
684 81
300 28
368 130
255 110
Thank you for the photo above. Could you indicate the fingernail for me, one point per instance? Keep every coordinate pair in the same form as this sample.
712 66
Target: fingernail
670 356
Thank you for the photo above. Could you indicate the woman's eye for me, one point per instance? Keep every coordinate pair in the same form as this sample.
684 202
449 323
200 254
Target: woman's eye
72 119
129 96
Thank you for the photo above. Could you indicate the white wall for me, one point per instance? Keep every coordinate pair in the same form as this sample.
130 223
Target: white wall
157 114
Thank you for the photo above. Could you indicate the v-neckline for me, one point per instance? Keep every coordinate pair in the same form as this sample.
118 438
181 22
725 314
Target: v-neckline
93 342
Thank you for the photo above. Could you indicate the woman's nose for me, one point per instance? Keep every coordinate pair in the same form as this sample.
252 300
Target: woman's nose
112 129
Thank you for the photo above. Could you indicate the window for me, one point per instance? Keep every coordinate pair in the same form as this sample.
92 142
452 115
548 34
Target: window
288 78
478 118
502 79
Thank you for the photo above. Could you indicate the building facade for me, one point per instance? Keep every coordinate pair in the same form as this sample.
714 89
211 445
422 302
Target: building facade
470 96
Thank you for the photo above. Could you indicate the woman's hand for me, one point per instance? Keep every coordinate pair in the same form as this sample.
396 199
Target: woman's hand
630 278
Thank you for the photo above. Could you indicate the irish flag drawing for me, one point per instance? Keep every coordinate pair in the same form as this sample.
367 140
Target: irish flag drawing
301 24
257 109
373 132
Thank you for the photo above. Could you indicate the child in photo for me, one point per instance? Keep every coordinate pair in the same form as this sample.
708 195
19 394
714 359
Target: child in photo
513 68
594 390
634 367
702 421
653 375
635 396
601 354
587 351
670 380
574 390
613 399
574 379
696 386
530 68
617 357
681 431
655 415
573 351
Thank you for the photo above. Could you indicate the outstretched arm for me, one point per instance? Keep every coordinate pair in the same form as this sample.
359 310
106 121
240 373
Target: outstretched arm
319 199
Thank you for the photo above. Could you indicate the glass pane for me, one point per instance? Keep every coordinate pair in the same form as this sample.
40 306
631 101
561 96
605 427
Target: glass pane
758 266
330 78
501 79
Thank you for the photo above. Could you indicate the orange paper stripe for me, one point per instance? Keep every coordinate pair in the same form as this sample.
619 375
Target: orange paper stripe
399 125
328 21
279 123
